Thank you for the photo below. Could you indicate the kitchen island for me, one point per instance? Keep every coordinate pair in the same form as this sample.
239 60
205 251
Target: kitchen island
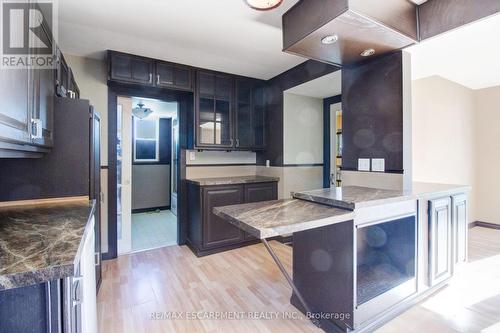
361 256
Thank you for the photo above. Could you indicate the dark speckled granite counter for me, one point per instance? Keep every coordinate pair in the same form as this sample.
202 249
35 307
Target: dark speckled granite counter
281 217
352 197
232 180
39 243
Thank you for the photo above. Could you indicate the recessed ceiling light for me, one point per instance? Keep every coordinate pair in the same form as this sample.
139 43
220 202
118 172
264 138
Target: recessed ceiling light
368 52
263 4
330 39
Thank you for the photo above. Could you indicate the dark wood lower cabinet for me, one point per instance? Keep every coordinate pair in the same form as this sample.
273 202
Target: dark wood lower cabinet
208 233
260 192
217 232
36 308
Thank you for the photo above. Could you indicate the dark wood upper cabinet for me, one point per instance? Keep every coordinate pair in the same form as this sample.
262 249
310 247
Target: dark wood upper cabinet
244 131
14 115
249 115
169 75
130 68
228 109
258 118
214 110
216 231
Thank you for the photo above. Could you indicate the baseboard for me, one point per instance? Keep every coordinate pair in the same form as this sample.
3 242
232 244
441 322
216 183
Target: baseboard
484 225
107 256
152 209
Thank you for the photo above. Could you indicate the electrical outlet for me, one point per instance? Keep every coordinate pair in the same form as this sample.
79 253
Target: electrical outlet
378 164
363 164
192 155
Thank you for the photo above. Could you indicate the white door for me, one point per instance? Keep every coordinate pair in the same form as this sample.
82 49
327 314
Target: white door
124 172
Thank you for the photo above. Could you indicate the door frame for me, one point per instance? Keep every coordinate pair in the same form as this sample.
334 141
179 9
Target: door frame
327 140
185 101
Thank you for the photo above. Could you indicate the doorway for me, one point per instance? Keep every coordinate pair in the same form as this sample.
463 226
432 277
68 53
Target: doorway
147 145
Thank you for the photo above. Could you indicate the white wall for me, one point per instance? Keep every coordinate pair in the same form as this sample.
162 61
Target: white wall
488 154
444 134
302 129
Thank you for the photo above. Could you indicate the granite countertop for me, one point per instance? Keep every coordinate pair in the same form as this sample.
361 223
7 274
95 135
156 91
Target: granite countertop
41 242
232 180
352 197
281 217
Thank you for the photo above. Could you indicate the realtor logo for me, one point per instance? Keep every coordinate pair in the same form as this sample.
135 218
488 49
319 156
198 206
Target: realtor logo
27 34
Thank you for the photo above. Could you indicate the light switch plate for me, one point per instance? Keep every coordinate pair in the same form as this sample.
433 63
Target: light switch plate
192 155
378 164
363 164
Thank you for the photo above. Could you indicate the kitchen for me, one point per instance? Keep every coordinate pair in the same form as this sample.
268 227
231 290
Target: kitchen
248 135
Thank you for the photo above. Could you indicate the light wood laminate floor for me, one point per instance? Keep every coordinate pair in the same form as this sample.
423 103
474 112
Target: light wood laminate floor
172 281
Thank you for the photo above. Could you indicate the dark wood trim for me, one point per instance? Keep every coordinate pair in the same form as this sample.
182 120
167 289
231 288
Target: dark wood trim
220 165
386 171
302 165
151 209
481 224
185 101
327 140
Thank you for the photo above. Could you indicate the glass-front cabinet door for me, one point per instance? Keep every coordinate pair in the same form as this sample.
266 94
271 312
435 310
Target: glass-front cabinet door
214 110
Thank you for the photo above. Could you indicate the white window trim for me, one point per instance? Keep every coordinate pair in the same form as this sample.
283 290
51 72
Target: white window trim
157 139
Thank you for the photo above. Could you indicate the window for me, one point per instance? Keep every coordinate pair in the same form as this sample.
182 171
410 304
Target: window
146 140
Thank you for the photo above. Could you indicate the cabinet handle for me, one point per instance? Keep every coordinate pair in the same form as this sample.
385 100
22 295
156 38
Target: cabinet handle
231 141
97 259
76 291
150 78
158 79
237 142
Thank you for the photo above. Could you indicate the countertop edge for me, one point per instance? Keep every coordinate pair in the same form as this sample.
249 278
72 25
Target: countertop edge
208 182
252 231
24 279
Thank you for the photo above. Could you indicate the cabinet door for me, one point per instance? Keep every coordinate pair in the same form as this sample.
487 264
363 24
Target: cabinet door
14 115
260 192
42 99
258 118
214 111
243 119
216 231
129 68
34 308
174 76
460 228
440 240
89 300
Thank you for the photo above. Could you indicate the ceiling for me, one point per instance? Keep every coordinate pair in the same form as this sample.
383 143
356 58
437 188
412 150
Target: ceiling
468 55
322 87
160 109
224 35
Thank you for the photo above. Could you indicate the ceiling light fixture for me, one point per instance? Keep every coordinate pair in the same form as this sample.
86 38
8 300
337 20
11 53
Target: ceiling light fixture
263 4
367 52
330 39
